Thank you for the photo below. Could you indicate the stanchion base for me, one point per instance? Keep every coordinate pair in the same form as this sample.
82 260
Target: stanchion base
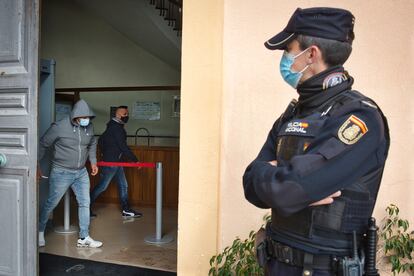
61 230
153 240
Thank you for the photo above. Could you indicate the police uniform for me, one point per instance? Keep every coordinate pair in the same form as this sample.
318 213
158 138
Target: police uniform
332 139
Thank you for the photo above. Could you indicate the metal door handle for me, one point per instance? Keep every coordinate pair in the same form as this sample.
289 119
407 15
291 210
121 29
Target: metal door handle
3 160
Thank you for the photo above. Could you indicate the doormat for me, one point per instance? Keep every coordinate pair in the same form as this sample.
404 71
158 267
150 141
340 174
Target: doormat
53 265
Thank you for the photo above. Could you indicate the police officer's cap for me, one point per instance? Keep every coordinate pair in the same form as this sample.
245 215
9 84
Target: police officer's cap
329 23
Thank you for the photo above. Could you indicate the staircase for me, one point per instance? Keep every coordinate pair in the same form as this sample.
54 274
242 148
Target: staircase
171 10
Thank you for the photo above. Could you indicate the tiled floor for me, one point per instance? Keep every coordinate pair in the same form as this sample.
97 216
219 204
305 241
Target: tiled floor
123 239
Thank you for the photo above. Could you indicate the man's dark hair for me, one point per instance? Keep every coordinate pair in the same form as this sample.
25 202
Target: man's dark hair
122 106
333 52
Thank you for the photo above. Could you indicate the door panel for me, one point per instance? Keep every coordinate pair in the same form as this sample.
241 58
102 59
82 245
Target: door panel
13 36
18 136
13 102
11 197
13 141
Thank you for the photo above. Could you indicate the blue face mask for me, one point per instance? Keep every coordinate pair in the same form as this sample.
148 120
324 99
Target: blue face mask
84 122
292 78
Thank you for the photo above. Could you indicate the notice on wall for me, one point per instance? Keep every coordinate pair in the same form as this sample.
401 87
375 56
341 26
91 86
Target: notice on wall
147 111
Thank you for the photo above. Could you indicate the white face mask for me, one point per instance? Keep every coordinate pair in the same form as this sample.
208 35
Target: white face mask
84 122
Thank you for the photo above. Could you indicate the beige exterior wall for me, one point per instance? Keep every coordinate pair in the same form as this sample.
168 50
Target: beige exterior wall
201 83
232 93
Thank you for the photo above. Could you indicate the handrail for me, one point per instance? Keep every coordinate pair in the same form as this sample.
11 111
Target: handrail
177 3
171 10
136 134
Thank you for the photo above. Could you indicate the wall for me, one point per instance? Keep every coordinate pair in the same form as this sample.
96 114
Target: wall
167 125
201 110
90 53
254 95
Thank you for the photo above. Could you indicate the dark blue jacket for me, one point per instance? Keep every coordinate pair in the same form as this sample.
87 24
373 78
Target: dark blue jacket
113 143
332 139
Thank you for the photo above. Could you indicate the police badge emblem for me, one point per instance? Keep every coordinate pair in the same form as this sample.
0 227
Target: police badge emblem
334 79
352 130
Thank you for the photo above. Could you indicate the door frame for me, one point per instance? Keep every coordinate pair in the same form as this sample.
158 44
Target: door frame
19 84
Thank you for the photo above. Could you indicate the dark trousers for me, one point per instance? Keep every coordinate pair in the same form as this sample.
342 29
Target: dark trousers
276 268
106 175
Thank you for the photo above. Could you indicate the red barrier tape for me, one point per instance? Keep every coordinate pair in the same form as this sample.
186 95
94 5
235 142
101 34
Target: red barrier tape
125 164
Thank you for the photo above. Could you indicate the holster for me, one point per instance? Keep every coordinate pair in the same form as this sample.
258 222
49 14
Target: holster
260 244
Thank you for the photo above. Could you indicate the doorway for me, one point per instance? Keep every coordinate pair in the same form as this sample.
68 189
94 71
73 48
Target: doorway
113 53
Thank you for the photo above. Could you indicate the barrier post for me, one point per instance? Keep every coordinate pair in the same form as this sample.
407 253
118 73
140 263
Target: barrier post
157 238
66 228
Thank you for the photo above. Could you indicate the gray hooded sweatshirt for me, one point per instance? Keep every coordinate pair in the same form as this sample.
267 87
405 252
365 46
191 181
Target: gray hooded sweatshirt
70 142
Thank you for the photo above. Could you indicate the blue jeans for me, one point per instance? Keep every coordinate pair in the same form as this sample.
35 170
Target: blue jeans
60 180
106 175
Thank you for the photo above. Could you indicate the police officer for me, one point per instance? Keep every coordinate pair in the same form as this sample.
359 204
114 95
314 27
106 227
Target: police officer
321 166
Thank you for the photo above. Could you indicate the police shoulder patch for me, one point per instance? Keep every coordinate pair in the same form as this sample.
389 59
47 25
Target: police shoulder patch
352 130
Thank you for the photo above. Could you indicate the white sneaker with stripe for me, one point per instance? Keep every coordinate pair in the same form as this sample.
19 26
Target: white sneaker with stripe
89 242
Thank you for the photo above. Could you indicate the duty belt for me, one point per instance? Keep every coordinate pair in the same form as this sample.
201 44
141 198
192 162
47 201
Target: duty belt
296 257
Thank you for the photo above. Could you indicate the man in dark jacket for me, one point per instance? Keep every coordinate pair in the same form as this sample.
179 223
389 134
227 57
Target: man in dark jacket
321 166
72 140
113 145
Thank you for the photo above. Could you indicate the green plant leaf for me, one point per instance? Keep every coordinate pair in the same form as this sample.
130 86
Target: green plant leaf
398 244
237 259
212 260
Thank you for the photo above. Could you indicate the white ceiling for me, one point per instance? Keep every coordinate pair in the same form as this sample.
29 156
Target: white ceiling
142 24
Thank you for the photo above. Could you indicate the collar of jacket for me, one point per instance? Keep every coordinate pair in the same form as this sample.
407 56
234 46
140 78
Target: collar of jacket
320 88
118 121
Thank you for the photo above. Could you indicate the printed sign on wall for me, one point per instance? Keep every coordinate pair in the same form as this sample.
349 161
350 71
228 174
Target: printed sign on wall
147 111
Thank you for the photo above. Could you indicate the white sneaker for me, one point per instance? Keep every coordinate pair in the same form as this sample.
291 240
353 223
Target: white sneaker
42 241
89 242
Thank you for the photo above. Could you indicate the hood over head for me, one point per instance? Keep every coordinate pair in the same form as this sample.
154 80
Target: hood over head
81 109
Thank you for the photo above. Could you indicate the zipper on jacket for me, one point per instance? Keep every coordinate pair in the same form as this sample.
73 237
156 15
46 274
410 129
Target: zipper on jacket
79 159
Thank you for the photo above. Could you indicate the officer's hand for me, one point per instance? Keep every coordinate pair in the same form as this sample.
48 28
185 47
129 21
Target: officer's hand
94 169
273 163
327 200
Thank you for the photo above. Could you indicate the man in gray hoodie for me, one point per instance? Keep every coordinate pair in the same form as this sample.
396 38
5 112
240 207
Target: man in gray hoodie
72 141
